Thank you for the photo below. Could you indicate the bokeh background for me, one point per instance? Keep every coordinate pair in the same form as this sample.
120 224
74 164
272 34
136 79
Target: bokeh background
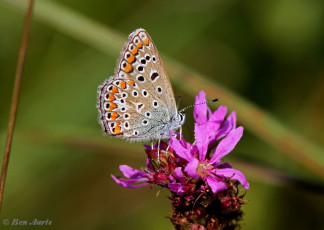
263 59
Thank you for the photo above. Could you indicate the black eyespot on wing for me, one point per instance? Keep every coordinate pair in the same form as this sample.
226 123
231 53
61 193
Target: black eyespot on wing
141 78
139 106
140 68
154 76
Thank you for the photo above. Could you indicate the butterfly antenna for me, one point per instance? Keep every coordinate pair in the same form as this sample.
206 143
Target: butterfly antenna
206 102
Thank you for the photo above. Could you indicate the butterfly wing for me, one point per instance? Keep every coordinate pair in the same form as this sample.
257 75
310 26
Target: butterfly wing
137 103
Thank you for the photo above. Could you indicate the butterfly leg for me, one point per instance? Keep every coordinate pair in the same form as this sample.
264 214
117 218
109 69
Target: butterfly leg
152 143
180 133
169 143
158 154
167 148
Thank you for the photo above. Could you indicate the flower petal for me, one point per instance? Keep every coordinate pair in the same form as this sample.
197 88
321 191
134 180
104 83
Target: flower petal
215 184
179 175
148 147
200 111
129 172
215 123
177 188
191 168
227 144
149 166
129 183
233 174
179 149
219 114
228 125
201 141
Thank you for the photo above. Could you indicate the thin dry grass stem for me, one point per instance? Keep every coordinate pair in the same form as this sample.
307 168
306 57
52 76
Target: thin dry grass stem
15 97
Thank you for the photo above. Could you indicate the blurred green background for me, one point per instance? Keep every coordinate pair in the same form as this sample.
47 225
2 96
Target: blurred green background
264 59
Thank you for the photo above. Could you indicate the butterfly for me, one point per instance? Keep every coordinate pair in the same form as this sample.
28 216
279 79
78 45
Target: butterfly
137 103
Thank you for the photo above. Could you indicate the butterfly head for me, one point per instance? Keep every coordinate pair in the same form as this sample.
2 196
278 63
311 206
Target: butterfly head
181 118
177 121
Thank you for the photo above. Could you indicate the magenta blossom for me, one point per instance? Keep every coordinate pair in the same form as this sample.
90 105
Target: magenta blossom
214 124
194 172
210 170
209 128
135 178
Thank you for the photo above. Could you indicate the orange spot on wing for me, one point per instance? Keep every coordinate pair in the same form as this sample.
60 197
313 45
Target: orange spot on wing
131 83
134 51
131 59
117 129
122 85
114 115
128 68
146 41
111 97
120 134
112 106
114 90
139 45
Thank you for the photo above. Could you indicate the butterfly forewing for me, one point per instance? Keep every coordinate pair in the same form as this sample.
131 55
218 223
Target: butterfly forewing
138 102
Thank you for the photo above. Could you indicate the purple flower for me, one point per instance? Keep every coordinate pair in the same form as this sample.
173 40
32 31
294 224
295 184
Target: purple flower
200 184
136 178
210 170
214 124
185 162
